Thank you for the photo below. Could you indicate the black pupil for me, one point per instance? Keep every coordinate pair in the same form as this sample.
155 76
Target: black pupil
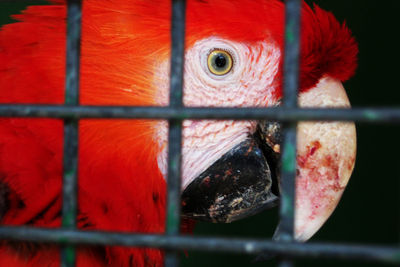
220 61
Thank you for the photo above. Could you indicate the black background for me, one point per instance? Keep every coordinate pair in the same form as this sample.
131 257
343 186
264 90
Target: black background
369 210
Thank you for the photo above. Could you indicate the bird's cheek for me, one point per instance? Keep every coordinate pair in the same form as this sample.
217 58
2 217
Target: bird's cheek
325 159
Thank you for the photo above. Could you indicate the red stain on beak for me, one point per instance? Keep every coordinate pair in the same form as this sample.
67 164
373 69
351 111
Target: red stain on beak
315 146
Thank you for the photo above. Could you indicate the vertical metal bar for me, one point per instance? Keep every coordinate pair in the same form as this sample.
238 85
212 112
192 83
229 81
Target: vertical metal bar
290 89
175 126
70 162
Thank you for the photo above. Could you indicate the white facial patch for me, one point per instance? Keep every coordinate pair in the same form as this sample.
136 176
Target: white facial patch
250 83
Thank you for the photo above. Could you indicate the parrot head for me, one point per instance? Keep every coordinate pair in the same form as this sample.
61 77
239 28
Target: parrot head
230 169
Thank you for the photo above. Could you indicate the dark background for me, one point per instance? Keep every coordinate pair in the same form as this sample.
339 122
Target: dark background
369 210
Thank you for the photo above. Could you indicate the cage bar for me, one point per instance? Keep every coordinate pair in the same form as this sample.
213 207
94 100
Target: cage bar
362 253
70 160
361 115
175 127
285 231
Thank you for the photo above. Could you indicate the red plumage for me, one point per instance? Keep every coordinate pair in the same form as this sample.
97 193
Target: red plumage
120 186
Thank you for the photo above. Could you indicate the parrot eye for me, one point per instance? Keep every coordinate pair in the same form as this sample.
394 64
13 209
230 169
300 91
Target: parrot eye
219 62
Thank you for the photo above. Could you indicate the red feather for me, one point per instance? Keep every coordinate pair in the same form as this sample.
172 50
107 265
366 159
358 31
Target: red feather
120 186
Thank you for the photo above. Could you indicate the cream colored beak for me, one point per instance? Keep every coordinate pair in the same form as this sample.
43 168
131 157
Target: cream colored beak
326 153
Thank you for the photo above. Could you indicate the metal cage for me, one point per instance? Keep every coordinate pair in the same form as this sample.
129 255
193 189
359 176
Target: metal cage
287 249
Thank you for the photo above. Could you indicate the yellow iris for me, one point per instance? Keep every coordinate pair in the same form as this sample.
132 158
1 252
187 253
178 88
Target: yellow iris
219 62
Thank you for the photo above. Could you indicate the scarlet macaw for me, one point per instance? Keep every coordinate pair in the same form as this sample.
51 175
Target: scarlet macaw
233 58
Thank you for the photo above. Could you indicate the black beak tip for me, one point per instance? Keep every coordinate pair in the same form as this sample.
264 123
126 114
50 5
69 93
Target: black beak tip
236 186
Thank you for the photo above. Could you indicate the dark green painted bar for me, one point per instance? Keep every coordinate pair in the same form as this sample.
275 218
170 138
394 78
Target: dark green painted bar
70 159
362 253
175 127
283 114
285 231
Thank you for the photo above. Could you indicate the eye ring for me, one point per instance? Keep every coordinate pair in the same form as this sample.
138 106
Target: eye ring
219 62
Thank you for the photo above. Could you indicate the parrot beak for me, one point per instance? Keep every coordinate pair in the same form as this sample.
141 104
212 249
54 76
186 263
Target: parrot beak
245 180
326 153
241 183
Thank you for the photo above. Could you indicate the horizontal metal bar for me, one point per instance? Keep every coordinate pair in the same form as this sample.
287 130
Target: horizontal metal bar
368 115
383 254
